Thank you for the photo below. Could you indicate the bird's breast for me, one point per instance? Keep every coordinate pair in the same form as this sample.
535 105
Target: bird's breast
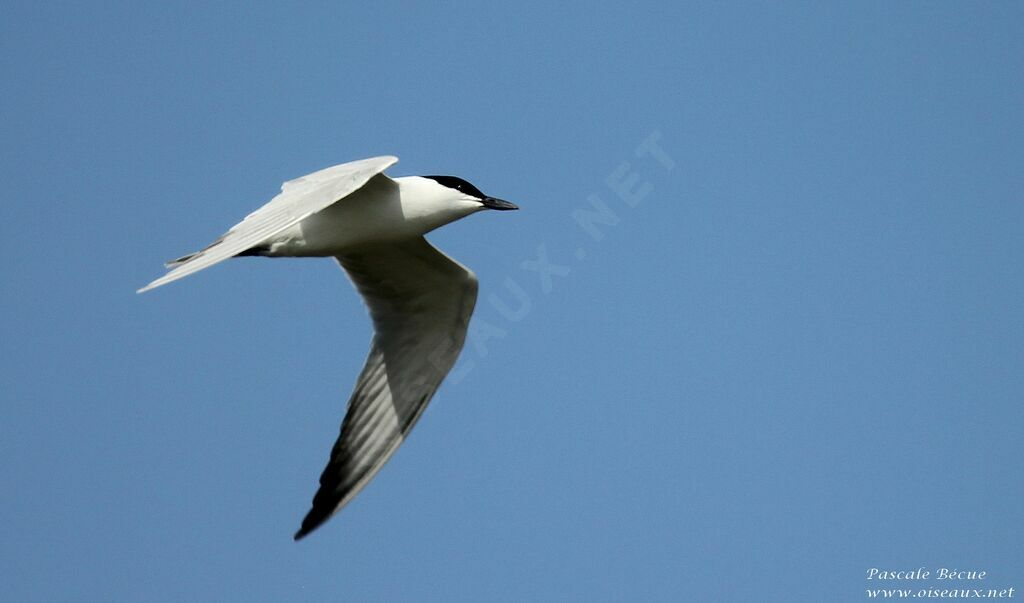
370 215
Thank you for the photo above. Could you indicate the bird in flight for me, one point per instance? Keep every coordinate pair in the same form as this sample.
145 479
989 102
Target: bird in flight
419 299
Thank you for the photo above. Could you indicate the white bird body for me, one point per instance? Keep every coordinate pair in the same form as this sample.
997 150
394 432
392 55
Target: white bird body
420 300
378 212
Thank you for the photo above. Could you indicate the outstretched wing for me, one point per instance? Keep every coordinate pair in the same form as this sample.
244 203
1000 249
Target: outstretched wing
420 301
298 199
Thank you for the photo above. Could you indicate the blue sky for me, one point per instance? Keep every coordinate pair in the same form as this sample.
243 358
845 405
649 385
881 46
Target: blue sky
797 358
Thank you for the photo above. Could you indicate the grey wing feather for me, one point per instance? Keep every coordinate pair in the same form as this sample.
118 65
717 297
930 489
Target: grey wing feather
420 301
298 199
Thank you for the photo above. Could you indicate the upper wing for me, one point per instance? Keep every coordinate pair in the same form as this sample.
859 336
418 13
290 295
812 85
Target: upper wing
420 301
298 199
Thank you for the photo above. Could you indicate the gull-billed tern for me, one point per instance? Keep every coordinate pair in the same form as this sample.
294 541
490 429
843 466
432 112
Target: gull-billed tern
419 299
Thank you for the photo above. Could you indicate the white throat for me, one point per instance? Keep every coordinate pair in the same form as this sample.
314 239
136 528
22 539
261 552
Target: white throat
429 205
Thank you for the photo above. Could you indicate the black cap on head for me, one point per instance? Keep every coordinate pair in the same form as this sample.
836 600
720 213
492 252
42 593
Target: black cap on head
465 187
458 184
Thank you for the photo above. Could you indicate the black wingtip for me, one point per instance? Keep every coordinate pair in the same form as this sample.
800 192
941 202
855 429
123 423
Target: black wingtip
307 527
312 521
